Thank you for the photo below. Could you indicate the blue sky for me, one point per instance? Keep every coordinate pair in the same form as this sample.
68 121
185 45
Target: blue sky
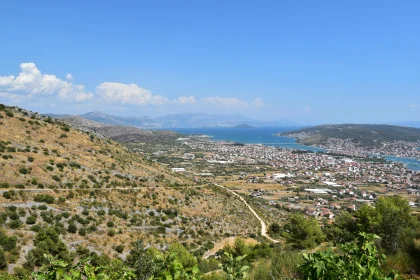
307 61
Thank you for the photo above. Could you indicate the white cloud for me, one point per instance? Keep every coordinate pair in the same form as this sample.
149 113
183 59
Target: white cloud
184 100
259 103
414 105
32 82
128 94
69 77
30 85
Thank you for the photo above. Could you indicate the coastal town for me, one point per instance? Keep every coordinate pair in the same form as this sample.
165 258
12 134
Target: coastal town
317 184
402 149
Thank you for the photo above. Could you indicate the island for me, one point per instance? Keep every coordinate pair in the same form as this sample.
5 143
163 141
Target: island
243 126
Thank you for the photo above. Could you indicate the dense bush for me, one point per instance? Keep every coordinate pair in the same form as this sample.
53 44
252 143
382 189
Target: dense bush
44 198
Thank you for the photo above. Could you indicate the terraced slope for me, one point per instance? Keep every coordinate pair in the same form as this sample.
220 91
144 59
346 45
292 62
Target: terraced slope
98 194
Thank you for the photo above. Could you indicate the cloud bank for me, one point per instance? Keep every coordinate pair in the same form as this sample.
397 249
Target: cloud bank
32 85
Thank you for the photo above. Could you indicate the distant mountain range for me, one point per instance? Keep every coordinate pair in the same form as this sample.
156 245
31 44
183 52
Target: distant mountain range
178 120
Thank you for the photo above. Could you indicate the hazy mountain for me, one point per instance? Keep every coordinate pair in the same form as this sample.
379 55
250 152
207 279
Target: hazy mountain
198 119
177 120
191 120
118 120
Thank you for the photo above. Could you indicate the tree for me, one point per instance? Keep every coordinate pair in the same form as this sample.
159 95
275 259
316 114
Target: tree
368 219
240 247
140 261
302 232
389 219
344 229
187 260
47 242
395 218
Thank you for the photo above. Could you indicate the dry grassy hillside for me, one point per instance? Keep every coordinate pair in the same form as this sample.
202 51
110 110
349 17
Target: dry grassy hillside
99 195
34 149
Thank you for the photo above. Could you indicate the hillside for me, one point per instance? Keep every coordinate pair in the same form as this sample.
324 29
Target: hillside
81 122
363 135
123 134
98 194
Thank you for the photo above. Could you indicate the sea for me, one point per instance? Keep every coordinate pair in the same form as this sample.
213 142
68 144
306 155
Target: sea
258 135
267 136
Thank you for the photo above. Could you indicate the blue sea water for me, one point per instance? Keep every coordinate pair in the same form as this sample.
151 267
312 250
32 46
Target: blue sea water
258 135
267 136
411 163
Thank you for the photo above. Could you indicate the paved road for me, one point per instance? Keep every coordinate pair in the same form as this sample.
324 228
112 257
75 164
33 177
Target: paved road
263 225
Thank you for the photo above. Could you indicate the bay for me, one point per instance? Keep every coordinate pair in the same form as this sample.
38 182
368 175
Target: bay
267 136
258 135
411 163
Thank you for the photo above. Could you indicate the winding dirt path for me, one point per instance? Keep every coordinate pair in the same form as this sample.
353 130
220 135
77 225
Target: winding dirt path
263 225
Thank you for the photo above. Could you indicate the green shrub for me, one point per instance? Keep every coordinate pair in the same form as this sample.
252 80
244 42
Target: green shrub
42 207
72 228
15 224
8 242
119 248
7 195
44 198
31 220
82 232
55 178
110 223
